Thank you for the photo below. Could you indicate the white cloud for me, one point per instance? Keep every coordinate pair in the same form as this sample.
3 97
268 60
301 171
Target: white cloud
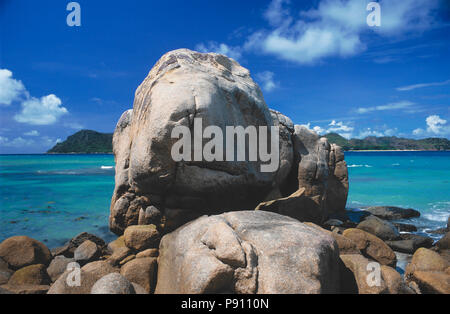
44 111
267 80
334 127
18 142
232 52
10 89
378 133
335 27
436 126
31 133
391 106
422 85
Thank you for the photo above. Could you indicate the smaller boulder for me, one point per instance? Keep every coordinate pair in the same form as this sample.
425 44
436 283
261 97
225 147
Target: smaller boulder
58 266
113 283
444 242
148 253
141 271
87 252
372 246
296 205
432 282
402 227
380 228
142 237
116 244
21 251
119 255
426 260
30 275
392 212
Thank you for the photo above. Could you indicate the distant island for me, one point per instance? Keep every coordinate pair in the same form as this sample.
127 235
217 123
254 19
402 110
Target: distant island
84 142
91 142
389 143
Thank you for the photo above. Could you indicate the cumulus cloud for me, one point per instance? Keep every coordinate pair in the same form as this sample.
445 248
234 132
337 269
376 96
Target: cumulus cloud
335 27
435 126
266 78
36 111
31 133
232 52
10 89
44 111
334 127
391 106
422 85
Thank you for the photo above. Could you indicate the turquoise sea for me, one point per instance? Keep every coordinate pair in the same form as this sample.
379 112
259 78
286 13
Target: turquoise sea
54 197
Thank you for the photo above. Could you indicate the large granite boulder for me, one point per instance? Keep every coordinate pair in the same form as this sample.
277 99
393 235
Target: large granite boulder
248 252
185 87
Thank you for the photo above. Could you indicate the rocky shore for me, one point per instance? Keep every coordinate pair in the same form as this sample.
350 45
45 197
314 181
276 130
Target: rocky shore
225 226
236 252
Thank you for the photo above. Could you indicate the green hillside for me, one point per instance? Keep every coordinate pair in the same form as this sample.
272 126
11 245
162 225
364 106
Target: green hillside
389 143
85 141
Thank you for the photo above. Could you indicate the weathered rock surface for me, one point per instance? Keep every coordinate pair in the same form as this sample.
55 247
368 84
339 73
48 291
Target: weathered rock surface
345 245
380 228
429 271
87 252
141 271
24 289
444 242
392 212
372 246
410 243
152 188
113 283
58 266
21 251
5 272
141 237
30 275
89 275
390 281
248 252
69 248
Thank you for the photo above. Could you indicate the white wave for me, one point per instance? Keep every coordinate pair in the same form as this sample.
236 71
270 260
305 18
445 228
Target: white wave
440 211
396 165
107 167
358 166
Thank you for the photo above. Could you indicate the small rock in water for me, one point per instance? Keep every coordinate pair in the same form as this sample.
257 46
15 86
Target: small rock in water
391 212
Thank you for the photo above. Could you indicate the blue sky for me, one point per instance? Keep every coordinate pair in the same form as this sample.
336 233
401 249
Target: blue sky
317 62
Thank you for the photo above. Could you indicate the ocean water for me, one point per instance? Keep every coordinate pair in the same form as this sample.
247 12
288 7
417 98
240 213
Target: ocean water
419 180
54 197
